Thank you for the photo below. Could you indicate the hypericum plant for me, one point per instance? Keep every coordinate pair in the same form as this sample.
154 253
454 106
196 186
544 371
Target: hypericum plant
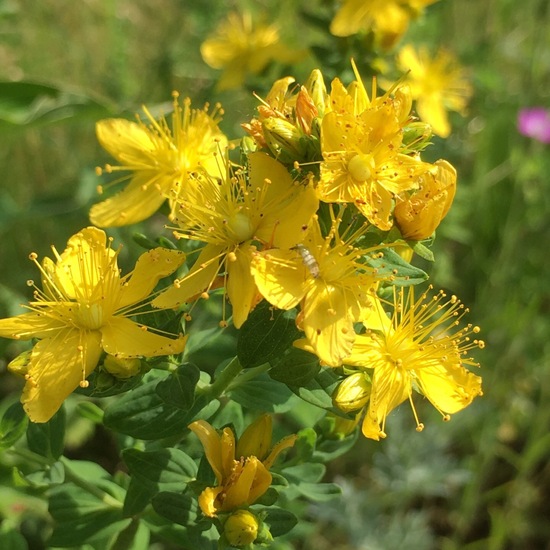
299 248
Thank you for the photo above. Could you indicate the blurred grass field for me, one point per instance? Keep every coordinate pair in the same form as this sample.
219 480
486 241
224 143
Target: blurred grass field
481 481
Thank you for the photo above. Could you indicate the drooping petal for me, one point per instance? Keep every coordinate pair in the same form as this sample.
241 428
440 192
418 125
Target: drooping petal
449 388
138 201
390 387
56 368
280 276
199 278
122 337
30 325
207 500
328 324
212 444
241 287
151 266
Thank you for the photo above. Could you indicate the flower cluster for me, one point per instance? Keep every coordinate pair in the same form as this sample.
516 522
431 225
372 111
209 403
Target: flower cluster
321 215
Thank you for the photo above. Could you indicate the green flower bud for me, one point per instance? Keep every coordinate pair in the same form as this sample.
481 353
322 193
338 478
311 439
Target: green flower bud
20 365
241 528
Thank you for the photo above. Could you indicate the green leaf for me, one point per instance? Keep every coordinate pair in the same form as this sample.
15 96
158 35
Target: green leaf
391 266
296 368
176 507
263 394
305 444
138 496
319 492
423 251
166 469
179 388
143 414
13 425
266 335
319 390
11 539
47 439
134 537
279 521
310 472
81 517
30 103
51 475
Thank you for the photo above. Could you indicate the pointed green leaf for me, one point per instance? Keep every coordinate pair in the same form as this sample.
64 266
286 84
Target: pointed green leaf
13 425
176 507
166 469
179 388
47 439
266 335
295 368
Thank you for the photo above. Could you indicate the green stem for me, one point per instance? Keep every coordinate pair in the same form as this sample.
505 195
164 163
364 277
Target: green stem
88 487
223 380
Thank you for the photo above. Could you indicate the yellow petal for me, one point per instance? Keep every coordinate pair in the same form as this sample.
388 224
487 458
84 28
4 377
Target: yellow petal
150 268
207 500
84 265
285 443
449 388
125 140
30 325
124 338
56 368
251 483
256 439
212 444
137 202
390 387
328 323
241 288
227 453
431 110
199 278
280 276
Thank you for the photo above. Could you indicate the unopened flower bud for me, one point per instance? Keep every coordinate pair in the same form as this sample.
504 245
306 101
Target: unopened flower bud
20 365
284 139
122 368
416 136
317 90
241 528
353 392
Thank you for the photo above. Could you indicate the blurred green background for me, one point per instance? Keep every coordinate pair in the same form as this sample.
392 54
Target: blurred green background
481 481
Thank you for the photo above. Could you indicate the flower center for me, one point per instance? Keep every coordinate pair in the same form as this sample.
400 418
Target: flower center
361 167
240 227
91 316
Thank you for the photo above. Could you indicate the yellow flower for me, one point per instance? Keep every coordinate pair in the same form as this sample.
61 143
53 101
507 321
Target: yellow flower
242 468
421 348
82 310
418 215
387 19
159 158
362 143
323 275
233 217
240 47
438 84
